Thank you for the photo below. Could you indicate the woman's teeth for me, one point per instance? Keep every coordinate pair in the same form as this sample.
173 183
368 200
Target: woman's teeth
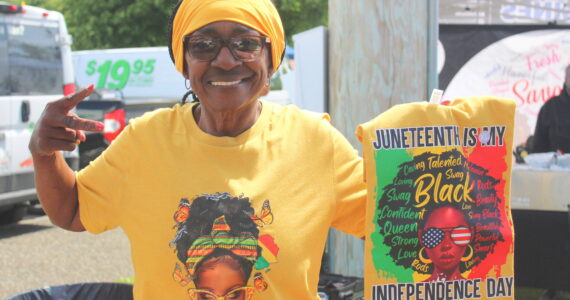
224 83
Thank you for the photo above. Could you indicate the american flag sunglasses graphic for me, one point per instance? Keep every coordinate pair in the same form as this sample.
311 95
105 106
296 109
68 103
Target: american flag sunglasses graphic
434 236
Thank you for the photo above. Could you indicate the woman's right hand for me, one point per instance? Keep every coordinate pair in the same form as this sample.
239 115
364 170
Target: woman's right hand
59 129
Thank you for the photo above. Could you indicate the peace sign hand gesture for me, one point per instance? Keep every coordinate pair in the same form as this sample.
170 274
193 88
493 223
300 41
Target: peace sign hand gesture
58 129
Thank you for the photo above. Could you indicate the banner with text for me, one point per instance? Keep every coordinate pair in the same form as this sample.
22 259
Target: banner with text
524 63
136 72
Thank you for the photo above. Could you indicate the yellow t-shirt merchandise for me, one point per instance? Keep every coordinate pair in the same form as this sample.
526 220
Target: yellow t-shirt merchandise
221 216
438 222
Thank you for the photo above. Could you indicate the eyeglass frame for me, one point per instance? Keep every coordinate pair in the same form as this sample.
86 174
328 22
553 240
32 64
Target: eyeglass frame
226 43
249 290
446 231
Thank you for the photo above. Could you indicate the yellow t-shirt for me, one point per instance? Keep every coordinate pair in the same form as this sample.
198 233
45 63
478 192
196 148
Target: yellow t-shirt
438 219
298 174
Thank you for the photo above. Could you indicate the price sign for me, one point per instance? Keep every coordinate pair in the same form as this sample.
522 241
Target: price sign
137 72
116 74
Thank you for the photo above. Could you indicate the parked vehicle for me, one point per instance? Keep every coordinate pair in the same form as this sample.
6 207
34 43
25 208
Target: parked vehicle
128 82
107 107
35 68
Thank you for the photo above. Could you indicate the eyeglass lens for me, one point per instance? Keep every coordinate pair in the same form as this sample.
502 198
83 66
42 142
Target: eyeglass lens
245 48
239 293
434 236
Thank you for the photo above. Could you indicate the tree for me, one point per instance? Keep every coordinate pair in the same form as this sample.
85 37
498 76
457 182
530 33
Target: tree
118 23
142 23
301 15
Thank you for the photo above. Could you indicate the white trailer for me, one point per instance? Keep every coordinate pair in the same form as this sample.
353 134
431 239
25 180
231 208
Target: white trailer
35 68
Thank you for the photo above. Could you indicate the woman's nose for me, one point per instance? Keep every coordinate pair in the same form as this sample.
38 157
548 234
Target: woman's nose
447 242
225 59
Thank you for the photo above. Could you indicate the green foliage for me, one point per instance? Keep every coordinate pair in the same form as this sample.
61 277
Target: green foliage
301 15
130 280
102 24
118 23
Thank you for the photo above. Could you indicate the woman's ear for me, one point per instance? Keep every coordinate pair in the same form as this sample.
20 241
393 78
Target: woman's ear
269 75
184 67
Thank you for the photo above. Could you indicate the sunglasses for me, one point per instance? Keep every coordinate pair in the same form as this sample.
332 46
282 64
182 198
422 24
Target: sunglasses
244 292
433 236
244 48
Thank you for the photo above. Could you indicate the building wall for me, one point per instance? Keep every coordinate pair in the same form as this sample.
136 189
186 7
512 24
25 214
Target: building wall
377 58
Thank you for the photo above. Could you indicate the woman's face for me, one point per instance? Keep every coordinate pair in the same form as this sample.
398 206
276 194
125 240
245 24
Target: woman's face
220 279
447 254
226 83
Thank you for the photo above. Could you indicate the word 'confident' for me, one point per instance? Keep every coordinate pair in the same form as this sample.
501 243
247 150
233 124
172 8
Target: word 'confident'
445 290
438 136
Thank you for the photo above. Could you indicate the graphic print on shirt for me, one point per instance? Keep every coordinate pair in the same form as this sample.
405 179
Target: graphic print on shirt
450 209
219 247
438 218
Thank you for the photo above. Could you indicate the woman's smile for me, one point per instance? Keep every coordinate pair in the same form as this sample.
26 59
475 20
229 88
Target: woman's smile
229 82
224 83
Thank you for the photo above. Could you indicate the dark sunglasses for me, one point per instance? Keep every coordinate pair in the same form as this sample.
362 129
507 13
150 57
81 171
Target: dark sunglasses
433 236
244 48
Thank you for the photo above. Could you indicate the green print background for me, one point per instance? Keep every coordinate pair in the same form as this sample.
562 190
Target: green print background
380 253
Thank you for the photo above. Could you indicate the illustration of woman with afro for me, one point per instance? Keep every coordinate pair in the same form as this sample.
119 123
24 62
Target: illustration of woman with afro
445 237
216 241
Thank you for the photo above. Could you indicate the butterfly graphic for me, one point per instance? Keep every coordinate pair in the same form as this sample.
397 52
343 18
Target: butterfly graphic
183 211
265 216
259 282
180 275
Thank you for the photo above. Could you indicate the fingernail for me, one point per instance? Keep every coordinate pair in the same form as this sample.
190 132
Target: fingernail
77 141
100 126
90 87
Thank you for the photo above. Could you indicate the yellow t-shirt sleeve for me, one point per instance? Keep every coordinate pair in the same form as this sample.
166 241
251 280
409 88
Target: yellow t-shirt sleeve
349 187
102 185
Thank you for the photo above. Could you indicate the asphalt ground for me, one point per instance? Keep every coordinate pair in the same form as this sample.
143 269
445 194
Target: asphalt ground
35 254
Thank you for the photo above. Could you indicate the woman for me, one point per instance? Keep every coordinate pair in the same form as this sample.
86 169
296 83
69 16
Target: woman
216 242
227 141
445 238
221 276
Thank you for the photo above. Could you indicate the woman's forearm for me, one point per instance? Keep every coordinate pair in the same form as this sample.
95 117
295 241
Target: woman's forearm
57 191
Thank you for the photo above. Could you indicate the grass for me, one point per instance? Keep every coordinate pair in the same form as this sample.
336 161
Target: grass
130 280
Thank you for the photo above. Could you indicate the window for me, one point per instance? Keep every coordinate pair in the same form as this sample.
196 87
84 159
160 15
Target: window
4 90
33 59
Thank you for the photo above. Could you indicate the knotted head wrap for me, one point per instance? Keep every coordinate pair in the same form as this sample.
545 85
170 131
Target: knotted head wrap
260 15
244 245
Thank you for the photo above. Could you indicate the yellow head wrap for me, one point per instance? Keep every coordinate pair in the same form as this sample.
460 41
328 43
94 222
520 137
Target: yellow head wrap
260 15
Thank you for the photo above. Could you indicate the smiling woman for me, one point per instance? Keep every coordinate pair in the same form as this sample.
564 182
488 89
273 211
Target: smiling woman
300 175
227 81
228 63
